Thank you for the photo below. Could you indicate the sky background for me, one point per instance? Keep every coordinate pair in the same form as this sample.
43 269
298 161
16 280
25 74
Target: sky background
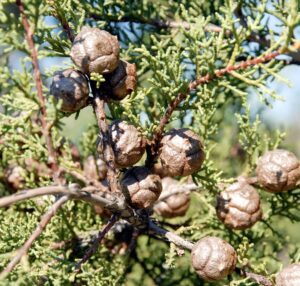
284 114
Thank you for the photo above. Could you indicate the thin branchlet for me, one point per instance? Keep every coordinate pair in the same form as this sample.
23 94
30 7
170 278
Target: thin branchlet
96 242
52 156
66 27
95 193
39 87
204 80
37 232
108 154
170 236
260 279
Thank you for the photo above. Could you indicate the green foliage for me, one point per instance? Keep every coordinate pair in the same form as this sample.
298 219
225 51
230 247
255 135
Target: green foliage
167 60
53 256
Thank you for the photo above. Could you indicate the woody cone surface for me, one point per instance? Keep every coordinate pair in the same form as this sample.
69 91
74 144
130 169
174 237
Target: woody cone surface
15 177
213 258
95 50
278 171
238 207
72 88
128 143
140 187
174 205
289 276
122 81
181 153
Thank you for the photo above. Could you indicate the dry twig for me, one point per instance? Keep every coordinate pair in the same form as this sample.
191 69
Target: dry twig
39 87
101 197
108 154
79 176
170 236
96 242
185 244
43 223
260 279
203 80
52 156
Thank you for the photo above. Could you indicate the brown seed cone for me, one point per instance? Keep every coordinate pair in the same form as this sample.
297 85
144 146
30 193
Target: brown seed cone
181 153
278 171
174 205
140 187
15 177
238 207
72 88
289 276
128 144
94 169
122 81
95 50
213 258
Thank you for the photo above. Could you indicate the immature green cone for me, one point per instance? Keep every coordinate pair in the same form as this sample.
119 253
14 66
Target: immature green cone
289 276
238 207
181 153
95 50
72 88
278 171
141 187
122 81
173 205
213 258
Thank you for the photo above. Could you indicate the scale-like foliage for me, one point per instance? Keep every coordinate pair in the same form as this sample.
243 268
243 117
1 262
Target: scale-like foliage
172 43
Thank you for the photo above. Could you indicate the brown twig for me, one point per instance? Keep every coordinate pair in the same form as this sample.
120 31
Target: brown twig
203 80
102 198
96 242
43 223
249 180
52 157
108 154
77 175
170 236
113 202
260 279
66 27
184 244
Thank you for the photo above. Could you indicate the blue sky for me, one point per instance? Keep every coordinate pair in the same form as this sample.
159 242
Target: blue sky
283 114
